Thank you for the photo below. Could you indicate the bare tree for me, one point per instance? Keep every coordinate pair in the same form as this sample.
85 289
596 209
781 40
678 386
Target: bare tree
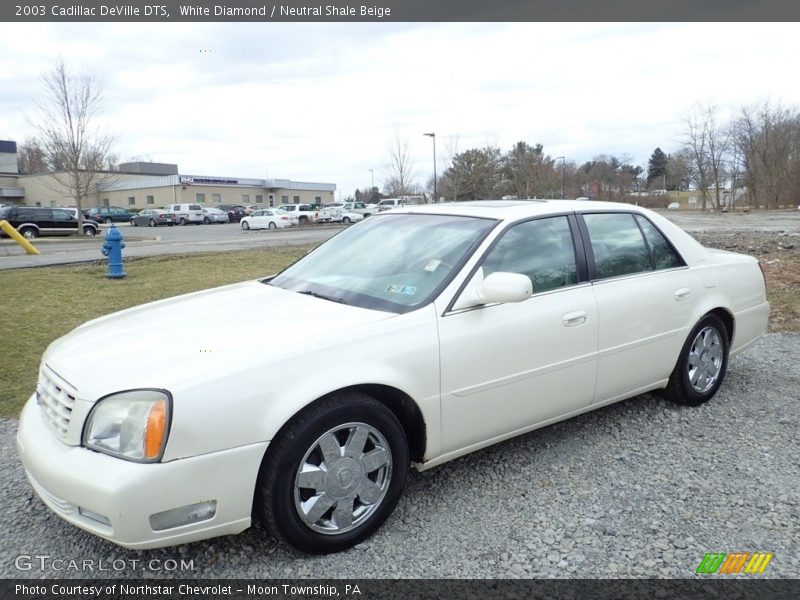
399 182
75 149
451 176
31 158
709 144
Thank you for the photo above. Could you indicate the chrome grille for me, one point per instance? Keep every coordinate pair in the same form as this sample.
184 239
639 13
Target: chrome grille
56 398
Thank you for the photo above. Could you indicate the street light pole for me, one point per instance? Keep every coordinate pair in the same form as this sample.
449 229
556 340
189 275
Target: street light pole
433 136
372 180
563 175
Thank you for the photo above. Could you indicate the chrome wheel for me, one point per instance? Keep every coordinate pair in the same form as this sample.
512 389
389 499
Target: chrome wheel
342 478
704 363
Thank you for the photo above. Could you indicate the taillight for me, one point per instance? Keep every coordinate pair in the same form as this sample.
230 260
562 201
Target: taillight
284 218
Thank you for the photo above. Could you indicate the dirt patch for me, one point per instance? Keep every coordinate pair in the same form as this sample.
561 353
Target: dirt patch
780 253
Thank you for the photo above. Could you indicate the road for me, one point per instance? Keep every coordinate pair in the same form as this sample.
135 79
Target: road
146 241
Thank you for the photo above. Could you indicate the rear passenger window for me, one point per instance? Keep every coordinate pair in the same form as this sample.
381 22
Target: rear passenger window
617 244
541 249
664 256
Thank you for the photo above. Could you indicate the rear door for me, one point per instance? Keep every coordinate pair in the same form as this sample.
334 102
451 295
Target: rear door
63 223
645 295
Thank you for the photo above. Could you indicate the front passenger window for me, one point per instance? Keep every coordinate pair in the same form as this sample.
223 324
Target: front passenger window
541 249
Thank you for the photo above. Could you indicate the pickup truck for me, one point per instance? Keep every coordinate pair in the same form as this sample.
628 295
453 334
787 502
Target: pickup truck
305 213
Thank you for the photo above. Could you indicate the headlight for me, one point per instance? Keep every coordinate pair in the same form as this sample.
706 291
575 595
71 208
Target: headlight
133 425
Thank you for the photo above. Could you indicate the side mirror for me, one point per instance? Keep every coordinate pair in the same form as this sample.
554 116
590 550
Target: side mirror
499 287
505 287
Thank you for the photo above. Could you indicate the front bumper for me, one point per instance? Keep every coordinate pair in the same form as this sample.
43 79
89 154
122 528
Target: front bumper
70 478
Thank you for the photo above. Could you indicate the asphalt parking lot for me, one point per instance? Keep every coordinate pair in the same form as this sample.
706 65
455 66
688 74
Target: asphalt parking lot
639 489
155 241
147 241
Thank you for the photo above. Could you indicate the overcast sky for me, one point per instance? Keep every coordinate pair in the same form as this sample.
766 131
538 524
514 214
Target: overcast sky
322 102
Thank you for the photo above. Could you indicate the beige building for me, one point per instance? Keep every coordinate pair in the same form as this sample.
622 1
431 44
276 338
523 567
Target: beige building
139 185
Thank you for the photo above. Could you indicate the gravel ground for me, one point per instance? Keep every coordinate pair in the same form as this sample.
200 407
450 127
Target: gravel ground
643 488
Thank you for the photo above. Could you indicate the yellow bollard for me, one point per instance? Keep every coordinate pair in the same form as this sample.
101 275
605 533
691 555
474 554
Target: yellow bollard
15 235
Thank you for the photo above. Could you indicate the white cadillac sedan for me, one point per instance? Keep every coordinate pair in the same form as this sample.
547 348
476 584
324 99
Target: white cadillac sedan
464 324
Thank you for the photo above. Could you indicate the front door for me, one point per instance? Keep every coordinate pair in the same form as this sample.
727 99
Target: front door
507 367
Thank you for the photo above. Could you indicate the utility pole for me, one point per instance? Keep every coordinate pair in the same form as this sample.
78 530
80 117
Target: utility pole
563 175
433 136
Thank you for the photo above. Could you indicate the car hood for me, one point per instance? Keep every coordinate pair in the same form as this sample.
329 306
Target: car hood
184 339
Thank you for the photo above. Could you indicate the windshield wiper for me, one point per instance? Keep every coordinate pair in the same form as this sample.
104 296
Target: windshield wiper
322 296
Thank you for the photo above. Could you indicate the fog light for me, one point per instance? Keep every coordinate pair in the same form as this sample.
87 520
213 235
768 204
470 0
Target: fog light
185 515
94 516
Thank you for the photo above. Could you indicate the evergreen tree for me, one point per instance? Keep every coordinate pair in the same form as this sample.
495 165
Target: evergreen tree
657 166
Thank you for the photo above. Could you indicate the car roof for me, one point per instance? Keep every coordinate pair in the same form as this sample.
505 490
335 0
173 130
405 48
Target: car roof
513 209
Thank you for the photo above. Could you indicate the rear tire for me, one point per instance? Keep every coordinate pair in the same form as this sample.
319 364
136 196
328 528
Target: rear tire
272 225
349 453
109 220
702 364
346 220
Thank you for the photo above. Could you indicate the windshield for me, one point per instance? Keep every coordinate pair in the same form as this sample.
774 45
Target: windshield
395 262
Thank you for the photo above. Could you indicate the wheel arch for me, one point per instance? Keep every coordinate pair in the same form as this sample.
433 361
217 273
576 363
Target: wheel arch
400 403
727 318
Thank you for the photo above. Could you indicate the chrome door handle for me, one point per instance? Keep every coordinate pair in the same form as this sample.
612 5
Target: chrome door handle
682 294
576 317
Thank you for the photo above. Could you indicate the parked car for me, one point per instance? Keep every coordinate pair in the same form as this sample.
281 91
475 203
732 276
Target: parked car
186 213
389 203
294 217
110 214
35 221
266 219
214 215
463 325
235 211
305 213
86 216
673 206
340 213
152 217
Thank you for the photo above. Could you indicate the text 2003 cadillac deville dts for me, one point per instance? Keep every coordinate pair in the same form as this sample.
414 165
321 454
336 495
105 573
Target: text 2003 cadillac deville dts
430 331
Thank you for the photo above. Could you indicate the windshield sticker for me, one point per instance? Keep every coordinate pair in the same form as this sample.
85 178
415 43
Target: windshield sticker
402 289
433 265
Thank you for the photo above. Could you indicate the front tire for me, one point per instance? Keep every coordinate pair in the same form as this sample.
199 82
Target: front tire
182 221
245 225
702 364
334 474
90 231
29 233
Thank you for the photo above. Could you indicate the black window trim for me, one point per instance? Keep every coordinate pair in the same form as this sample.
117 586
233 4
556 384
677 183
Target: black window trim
587 244
578 248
